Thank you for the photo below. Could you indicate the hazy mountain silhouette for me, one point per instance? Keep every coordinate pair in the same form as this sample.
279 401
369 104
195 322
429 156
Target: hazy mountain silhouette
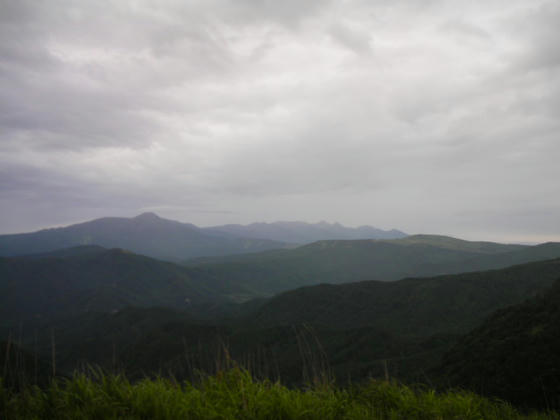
146 234
303 233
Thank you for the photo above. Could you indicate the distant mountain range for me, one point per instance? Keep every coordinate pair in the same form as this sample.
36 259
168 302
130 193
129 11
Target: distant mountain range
151 235
146 234
304 233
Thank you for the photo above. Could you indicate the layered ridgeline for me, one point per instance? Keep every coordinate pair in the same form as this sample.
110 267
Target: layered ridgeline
415 306
334 262
357 330
354 331
156 237
514 354
304 233
92 278
145 234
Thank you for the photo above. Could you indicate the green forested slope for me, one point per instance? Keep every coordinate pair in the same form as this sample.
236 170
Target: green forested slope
419 306
514 354
148 341
94 279
263 274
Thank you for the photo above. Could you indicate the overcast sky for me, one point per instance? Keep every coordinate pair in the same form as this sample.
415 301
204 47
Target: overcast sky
426 116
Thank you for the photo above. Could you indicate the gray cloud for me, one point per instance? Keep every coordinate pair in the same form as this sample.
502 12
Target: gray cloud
356 39
418 115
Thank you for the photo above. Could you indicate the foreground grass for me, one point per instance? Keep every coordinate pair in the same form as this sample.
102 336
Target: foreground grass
235 395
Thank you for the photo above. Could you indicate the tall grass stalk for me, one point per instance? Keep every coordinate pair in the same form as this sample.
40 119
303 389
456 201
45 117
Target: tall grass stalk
53 354
7 356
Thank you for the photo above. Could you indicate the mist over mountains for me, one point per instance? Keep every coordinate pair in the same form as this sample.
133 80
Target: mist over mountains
91 278
124 267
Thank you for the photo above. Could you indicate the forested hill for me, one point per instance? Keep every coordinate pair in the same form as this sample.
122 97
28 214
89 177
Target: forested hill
338 262
415 306
87 279
514 354
91 278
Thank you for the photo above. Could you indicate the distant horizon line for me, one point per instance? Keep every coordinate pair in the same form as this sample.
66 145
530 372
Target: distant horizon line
526 241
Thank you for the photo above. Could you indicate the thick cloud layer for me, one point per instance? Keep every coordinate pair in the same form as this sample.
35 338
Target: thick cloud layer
423 116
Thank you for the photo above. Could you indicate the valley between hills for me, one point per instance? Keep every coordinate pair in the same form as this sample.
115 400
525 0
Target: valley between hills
288 301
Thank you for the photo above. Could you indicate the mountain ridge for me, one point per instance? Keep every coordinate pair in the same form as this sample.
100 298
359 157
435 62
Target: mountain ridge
345 261
157 237
431 305
303 232
80 280
146 234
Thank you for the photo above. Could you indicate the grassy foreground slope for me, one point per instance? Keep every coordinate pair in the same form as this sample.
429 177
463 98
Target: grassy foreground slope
235 395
